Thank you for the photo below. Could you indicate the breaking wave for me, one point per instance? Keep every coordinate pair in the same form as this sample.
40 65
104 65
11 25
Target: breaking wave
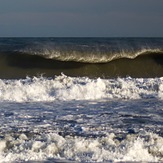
67 88
92 56
142 64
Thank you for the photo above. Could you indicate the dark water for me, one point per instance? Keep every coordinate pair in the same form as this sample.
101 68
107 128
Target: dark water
92 57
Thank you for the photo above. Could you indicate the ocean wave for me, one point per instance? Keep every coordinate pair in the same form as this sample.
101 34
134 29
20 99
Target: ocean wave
21 64
91 57
67 88
94 56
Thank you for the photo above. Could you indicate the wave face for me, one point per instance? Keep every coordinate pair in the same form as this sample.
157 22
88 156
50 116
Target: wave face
92 57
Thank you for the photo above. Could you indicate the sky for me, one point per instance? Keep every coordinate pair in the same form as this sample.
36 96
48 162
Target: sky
81 18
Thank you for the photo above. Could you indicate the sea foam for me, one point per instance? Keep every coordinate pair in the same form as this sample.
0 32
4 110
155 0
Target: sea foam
68 88
45 146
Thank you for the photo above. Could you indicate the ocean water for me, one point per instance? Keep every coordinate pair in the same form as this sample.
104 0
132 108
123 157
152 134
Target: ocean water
81 100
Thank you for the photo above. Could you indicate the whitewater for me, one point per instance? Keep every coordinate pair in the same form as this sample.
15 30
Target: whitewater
82 88
81 119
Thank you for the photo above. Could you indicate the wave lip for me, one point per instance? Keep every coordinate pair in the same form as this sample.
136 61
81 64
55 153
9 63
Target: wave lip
91 56
67 88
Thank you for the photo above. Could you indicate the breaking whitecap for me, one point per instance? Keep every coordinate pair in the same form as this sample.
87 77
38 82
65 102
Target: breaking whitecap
68 88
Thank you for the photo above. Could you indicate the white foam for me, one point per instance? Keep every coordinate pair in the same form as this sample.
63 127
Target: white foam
68 88
108 148
2 145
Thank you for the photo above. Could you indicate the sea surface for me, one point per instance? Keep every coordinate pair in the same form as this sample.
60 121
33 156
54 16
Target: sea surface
81 100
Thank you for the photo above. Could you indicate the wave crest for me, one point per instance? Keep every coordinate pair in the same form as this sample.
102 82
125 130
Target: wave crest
92 56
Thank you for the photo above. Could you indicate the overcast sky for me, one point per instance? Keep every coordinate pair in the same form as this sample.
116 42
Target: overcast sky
84 18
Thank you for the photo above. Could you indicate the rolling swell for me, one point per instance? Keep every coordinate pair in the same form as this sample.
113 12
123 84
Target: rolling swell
20 64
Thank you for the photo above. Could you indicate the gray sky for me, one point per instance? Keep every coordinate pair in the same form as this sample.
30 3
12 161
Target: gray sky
84 18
